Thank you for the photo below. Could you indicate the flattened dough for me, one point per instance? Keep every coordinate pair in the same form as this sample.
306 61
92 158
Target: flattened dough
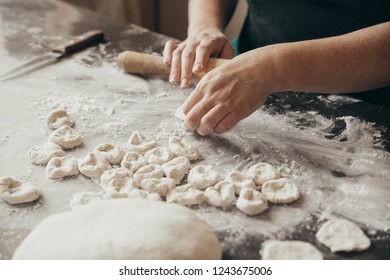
15 191
66 137
41 155
251 202
180 147
109 152
140 143
176 168
342 235
122 229
93 166
60 167
289 250
58 118
262 172
280 191
203 176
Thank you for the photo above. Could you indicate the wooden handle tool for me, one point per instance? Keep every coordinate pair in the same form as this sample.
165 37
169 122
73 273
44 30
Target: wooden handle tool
148 64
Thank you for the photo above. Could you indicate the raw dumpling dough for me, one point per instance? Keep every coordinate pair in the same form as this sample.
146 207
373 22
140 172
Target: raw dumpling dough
149 171
186 195
342 235
203 176
280 191
221 195
176 168
41 155
289 250
161 186
140 143
109 152
118 182
251 202
83 198
58 118
133 161
66 137
122 229
93 166
180 147
240 181
141 194
15 191
158 155
60 167
262 172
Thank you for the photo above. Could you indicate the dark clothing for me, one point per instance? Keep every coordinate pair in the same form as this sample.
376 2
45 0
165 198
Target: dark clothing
280 21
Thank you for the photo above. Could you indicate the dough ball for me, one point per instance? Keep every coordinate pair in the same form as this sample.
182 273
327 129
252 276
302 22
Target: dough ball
149 171
180 147
251 202
342 235
140 143
280 191
61 167
240 181
109 152
93 166
133 161
203 176
289 250
186 195
41 155
66 137
58 118
122 229
221 195
262 172
176 168
158 155
15 191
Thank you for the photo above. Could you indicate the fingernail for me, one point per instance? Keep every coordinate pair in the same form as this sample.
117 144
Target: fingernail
197 68
187 128
184 83
173 78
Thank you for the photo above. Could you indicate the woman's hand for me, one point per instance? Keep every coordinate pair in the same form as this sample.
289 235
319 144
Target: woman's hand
192 55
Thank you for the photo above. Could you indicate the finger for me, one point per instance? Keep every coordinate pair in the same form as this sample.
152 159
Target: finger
174 76
202 56
212 118
187 61
227 123
194 116
227 51
169 47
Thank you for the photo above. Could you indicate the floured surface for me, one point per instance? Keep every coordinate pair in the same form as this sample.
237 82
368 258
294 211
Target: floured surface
335 158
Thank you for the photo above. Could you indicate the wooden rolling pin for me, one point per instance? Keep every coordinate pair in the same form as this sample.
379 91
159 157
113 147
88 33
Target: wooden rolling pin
148 64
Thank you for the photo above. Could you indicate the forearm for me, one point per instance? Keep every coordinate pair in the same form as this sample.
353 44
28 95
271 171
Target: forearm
209 14
353 62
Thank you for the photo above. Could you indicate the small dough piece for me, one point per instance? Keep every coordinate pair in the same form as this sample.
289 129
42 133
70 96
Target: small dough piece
41 155
186 195
176 168
221 195
240 181
15 191
122 229
141 194
118 182
203 176
66 137
180 147
149 171
140 143
83 198
262 172
179 113
289 250
251 202
159 155
342 235
133 161
58 118
109 152
93 166
280 191
161 186
60 167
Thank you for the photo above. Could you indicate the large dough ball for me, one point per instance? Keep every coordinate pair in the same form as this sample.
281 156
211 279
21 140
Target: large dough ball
122 229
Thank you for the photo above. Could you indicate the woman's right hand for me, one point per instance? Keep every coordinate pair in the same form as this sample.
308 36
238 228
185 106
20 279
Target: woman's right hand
191 56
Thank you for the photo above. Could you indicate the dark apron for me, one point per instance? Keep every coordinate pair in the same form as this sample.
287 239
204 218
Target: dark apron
280 21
